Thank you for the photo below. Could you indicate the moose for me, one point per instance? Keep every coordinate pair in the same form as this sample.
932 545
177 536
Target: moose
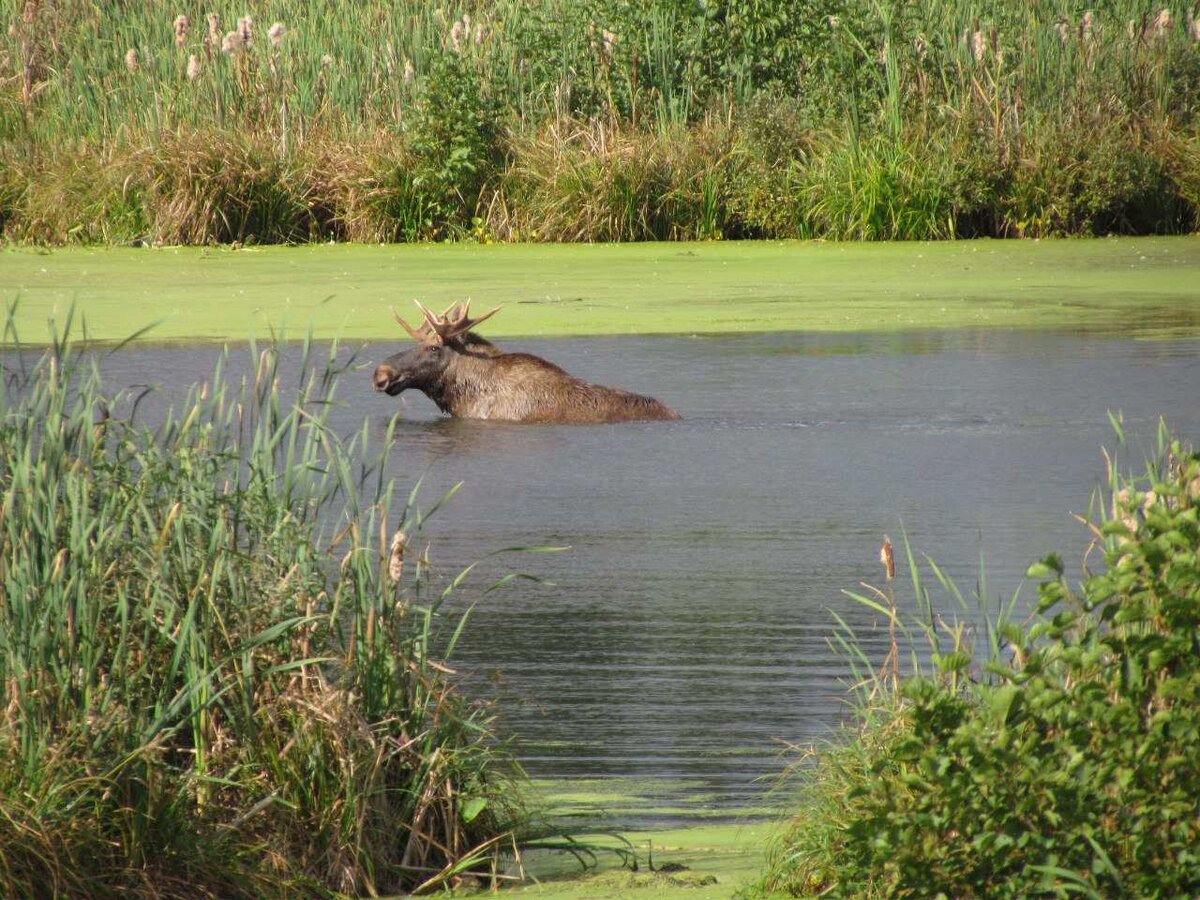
469 377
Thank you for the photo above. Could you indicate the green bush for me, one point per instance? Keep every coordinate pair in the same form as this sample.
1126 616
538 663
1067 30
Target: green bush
453 135
1067 761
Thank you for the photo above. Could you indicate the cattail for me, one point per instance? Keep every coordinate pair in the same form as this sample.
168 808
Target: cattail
214 30
131 60
834 22
231 44
479 34
1064 31
396 558
326 61
920 46
182 23
193 67
1194 30
410 73
245 27
456 36
1087 27
609 41
1162 23
275 34
978 46
888 557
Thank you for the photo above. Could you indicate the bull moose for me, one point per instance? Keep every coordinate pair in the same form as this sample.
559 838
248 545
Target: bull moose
469 377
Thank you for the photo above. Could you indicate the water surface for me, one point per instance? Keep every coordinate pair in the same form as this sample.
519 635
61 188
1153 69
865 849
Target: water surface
683 641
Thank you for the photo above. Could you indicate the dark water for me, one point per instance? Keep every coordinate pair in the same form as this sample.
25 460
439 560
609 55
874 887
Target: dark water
684 639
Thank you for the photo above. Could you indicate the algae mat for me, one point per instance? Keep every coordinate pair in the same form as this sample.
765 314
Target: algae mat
702 863
1144 286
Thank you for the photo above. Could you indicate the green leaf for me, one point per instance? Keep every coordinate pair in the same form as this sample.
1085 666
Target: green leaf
472 807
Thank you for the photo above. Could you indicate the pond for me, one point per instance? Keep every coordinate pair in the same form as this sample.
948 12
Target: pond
682 640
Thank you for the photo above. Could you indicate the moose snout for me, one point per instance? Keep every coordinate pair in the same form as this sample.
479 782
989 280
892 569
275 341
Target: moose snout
384 376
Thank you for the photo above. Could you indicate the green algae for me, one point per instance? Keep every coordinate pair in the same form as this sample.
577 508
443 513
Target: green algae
1130 286
700 863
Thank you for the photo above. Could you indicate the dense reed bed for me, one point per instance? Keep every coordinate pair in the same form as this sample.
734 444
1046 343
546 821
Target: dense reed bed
222 664
561 121
1053 756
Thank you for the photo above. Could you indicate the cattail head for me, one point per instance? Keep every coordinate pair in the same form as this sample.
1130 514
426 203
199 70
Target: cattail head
410 73
920 46
182 23
456 34
131 60
245 27
1162 23
231 44
1087 27
610 41
979 46
887 556
193 67
214 30
1194 30
326 61
834 22
1064 31
275 33
396 556
478 34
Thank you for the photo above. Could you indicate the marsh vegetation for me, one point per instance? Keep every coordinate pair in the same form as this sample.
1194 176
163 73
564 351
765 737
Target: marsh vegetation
222 664
400 120
1010 757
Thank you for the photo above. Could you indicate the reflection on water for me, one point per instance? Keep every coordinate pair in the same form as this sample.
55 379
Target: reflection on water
684 634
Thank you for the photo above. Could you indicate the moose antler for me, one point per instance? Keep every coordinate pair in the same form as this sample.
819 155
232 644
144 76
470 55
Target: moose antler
456 320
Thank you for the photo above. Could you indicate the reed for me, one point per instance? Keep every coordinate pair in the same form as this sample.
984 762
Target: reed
219 674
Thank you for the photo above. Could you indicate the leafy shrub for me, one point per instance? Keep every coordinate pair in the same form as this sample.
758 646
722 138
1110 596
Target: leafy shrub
1068 763
453 135
773 145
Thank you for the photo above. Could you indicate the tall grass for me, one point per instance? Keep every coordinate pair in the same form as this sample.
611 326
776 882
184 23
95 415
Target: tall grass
221 660
923 119
1055 756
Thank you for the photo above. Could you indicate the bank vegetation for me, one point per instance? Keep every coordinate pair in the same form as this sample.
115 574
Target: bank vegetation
558 120
1004 756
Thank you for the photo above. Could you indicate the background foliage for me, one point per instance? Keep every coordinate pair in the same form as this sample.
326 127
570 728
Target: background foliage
517 120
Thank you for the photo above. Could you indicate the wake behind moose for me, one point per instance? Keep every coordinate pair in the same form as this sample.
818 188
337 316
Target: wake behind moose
469 377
